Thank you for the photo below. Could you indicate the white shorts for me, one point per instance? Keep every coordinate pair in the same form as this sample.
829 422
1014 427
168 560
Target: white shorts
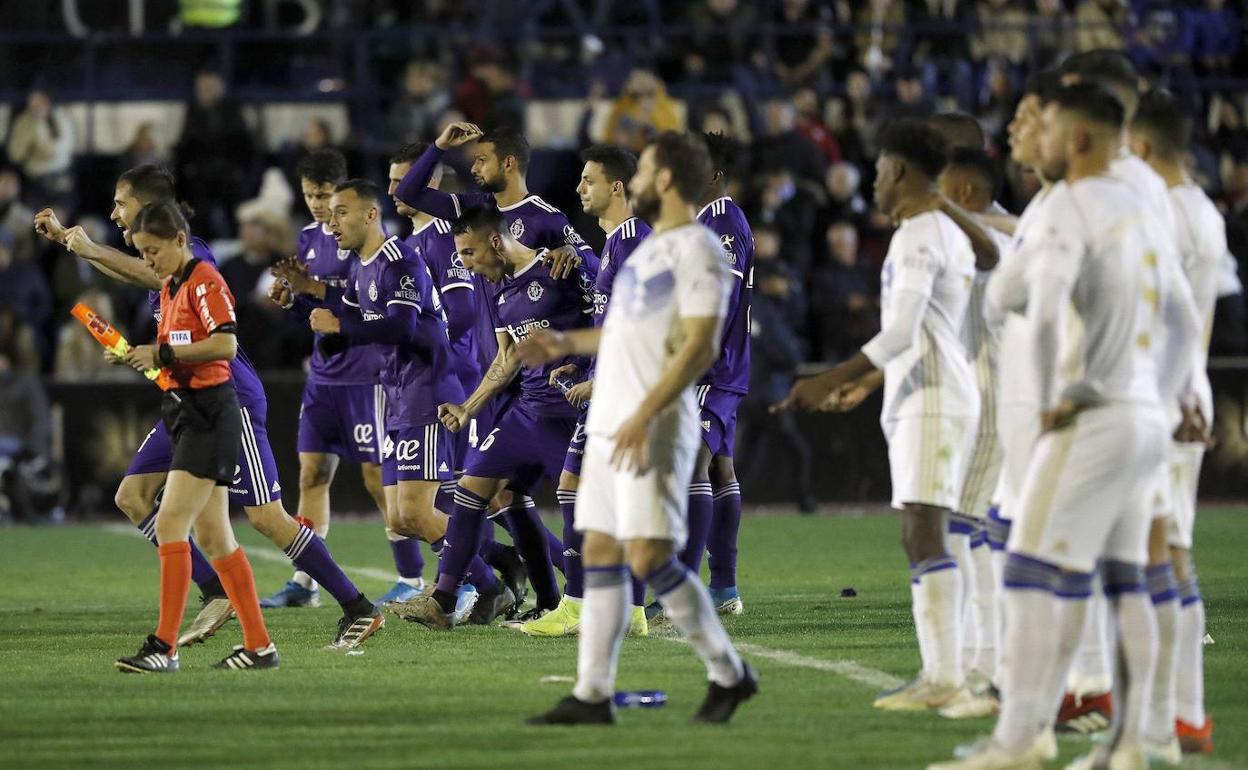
1086 495
982 473
1185 462
927 459
650 506
1018 426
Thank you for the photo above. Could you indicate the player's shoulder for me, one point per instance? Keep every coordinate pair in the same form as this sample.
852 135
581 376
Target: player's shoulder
201 251
311 227
442 227
531 203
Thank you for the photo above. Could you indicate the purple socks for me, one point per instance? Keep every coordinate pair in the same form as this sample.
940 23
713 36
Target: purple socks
721 543
700 512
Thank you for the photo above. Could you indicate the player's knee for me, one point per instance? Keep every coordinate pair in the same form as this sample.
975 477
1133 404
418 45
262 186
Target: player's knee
215 544
1181 558
722 471
270 520
645 557
315 473
1158 542
132 502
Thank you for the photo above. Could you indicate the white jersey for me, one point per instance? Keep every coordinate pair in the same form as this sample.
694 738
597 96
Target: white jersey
1149 185
672 275
930 269
1202 246
1103 287
983 340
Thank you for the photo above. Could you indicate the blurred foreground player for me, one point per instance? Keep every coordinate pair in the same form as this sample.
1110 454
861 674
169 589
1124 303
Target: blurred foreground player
659 336
195 344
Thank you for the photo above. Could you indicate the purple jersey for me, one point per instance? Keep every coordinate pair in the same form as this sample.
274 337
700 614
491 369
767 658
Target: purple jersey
418 376
534 299
434 243
621 242
242 373
731 372
332 266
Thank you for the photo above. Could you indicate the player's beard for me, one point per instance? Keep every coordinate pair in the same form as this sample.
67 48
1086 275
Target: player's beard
646 205
492 186
1053 169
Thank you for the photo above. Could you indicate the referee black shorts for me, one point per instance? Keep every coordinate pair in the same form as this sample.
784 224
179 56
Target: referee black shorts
205 426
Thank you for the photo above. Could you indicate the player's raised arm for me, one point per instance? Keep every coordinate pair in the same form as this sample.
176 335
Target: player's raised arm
414 190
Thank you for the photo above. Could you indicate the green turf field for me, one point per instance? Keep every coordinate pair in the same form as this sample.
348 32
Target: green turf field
72 599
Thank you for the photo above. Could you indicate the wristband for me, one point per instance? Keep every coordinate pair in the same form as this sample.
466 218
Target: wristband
165 354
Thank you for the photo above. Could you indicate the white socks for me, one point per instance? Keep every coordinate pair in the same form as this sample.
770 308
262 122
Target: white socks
688 606
1189 638
1165 597
1029 649
304 579
1137 634
982 629
604 621
937 599
1092 673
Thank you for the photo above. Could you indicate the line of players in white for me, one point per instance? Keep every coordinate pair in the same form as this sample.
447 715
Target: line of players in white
1069 388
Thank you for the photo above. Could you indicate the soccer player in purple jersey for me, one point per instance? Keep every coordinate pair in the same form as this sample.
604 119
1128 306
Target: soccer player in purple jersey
603 190
390 300
255 484
343 402
531 438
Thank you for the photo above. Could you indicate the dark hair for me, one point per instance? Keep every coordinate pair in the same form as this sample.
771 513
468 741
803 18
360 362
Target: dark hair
618 164
486 218
162 219
686 156
1093 103
959 130
979 162
509 141
1163 118
149 182
363 188
409 152
725 152
918 143
1043 84
324 166
1104 67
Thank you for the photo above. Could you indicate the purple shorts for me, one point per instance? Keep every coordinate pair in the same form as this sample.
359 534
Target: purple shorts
719 418
522 448
576 449
468 439
419 453
255 476
342 420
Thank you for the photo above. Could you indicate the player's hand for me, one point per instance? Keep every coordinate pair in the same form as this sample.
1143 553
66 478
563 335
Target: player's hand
113 359
1059 417
810 394
570 371
563 261
49 226
1193 429
632 445
323 321
846 398
143 357
580 393
542 346
295 274
454 416
78 242
458 134
281 295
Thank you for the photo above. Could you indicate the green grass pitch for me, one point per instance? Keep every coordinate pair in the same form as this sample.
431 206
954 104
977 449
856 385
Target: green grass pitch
72 599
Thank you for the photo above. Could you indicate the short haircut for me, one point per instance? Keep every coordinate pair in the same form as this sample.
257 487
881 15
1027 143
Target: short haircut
725 152
324 166
978 162
686 156
1043 84
366 190
486 218
1107 68
959 129
509 141
919 144
1092 103
618 164
409 152
149 182
1167 123
162 219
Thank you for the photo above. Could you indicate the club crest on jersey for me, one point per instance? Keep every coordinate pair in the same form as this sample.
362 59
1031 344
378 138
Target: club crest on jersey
180 338
517 228
605 262
344 255
534 291
372 291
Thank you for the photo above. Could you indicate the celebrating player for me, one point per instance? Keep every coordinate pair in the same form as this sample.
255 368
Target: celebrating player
931 402
604 194
661 332
195 344
530 439
343 403
254 484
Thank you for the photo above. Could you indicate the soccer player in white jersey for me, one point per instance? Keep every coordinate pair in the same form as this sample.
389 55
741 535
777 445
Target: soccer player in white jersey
1160 133
931 402
1111 322
660 335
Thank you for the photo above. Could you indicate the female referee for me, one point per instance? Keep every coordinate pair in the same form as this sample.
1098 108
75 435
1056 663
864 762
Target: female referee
195 344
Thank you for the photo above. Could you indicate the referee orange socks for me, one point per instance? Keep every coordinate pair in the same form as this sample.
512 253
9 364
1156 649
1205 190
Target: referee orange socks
175 581
240 585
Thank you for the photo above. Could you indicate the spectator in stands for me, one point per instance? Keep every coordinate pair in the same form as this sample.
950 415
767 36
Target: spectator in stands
24 288
422 98
801 43
216 156
490 95
1100 24
17 341
842 201
142 148
942 47
847 314
78 355
995 106
41 144
810 125
1052 33
642 110
270 336
723 40
1230 324
1215 34
1159 38
25 435
784 145
15 216
880 25
788 206
1002 32
911 99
